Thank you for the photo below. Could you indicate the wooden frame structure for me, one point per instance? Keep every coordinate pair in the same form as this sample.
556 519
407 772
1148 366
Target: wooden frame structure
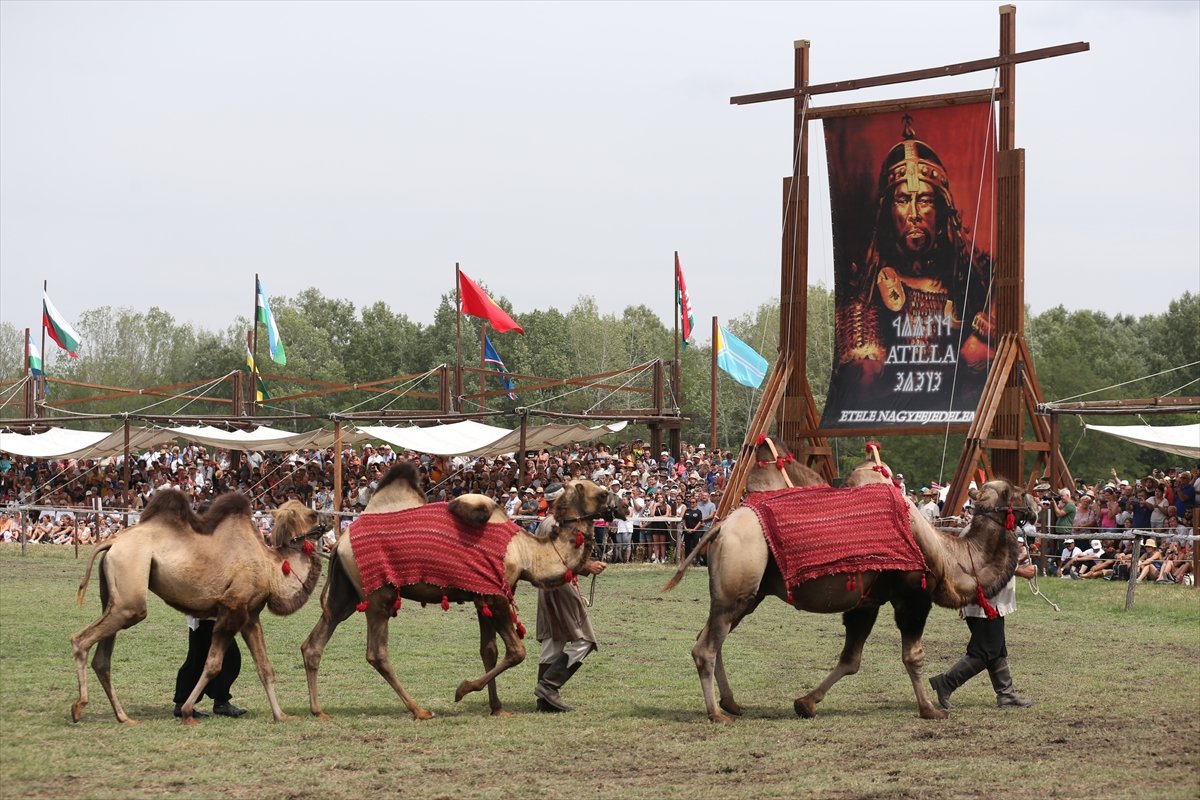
997 435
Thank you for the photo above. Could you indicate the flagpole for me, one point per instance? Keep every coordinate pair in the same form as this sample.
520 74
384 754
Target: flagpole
40 390
713 391
482 361
254 347
30 387
458 362
676 372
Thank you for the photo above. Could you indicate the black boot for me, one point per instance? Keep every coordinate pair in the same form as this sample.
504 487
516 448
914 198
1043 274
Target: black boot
556 674
1002 683
945 684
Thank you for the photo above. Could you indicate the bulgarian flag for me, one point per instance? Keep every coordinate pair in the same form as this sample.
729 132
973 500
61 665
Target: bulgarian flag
683 303
262 311
35 355
59 329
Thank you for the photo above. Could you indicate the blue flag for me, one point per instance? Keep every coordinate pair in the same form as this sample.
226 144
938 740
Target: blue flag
739 359
492 358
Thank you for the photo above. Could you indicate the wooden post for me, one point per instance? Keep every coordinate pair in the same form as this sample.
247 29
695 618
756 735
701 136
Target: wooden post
458 376
522 476
793 292
337 475
1131 587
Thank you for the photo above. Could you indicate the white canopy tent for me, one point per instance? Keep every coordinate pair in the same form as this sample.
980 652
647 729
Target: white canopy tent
1182 440
470 438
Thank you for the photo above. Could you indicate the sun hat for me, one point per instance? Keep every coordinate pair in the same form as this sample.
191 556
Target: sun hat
1096 545
1149 543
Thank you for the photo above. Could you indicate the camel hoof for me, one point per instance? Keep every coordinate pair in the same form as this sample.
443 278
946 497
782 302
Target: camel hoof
720 719
322 715
130 722
77 710
189 721
934 713
805 707
731 707
421 713
462 691
501 712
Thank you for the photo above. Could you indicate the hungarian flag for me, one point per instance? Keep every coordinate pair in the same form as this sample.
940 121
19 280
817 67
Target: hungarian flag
262 310
35 355
683 303
740 359
492 358
475 301
260 388
59 329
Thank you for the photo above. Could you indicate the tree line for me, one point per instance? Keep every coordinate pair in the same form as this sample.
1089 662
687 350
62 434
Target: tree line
1075 353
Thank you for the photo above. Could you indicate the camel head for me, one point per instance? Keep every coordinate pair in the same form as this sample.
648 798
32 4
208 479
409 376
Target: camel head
998 504
586 500
398 490
770 463
294 521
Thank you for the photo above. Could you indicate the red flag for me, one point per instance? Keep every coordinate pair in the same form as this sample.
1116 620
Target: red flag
683 303
474 301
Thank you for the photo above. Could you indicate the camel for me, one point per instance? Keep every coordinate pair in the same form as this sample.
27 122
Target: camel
742 571
215 565
545 561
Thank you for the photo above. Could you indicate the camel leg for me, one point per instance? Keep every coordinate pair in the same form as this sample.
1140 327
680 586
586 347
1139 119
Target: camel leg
339 604
379 606
911 613
104 632
253 636
728 704
488 652
859 623
212 667
514 653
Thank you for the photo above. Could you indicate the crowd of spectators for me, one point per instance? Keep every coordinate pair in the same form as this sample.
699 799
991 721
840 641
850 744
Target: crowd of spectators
91 500
672 501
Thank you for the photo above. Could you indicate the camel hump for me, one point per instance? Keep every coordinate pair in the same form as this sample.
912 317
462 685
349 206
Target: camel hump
472 509
230 504
172 507
404 472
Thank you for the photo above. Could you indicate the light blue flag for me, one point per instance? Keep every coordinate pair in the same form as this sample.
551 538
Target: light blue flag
739 359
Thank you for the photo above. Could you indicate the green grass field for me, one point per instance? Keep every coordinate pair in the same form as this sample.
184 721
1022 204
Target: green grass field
1118 699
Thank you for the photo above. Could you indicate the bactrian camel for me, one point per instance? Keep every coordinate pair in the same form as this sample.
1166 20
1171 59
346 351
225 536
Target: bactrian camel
545 561
215 565
742 571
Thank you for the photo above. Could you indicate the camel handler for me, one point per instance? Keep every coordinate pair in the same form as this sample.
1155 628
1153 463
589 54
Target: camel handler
200 632
564 631
986 649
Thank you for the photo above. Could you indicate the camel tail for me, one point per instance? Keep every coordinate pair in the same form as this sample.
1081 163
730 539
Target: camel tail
100 548
700 547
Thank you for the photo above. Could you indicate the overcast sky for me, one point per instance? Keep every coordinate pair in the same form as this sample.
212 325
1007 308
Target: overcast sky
160 154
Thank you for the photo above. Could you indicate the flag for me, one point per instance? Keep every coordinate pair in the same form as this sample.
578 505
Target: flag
59 329
739 359
493 358
475 301
684 303
260 388
263 311
35 355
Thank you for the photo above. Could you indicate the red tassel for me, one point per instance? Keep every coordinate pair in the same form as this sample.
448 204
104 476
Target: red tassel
568 576
286 566
791 601
991 612
779 463
923 586
849 583
579 540
1010 520
396 605
789 458
761 439
762 464
873 445
487 611
362 606
445 603
308 547
520 630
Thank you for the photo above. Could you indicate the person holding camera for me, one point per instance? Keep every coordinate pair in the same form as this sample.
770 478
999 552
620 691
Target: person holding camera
1064 518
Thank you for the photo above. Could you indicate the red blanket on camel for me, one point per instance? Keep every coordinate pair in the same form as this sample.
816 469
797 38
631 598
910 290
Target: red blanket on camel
428 544
818 530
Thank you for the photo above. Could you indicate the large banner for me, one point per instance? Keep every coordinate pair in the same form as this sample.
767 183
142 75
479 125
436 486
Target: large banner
912 196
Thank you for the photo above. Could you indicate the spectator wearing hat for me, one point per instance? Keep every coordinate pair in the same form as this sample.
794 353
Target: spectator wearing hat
564 631
529 508
1077 566
1068 555
929 506
1151 562
512 503
1064 513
